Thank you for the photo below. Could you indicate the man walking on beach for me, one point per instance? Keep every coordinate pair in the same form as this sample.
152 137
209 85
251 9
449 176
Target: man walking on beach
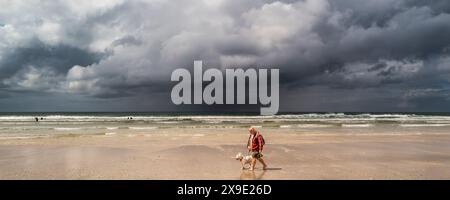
255 145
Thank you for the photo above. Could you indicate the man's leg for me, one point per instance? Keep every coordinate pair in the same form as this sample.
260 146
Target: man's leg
252 167
262 162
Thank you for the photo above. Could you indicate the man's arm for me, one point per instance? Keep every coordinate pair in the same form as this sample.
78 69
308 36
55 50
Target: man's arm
249 144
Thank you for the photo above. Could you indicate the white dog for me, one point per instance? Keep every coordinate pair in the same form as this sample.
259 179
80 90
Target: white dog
244 159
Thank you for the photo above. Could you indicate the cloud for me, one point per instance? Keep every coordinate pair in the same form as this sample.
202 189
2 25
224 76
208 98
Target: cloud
382 72
112 49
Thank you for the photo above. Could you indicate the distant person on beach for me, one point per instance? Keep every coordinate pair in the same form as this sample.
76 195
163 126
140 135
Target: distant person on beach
37 119
255 146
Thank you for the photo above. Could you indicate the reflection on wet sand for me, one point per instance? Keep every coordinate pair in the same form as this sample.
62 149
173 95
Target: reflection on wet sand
255 174
252 175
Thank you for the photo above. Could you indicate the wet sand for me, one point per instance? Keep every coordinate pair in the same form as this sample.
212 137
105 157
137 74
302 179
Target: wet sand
202 153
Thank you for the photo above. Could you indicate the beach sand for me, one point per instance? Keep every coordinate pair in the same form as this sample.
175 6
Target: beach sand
204 153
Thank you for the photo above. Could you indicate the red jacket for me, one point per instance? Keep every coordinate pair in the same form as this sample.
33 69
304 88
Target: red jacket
256 142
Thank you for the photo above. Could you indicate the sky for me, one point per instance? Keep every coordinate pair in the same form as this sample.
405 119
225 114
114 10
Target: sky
117 55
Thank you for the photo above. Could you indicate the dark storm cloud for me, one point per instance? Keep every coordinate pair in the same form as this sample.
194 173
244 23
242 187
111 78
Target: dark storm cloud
410 33
59 57
39 67
327 49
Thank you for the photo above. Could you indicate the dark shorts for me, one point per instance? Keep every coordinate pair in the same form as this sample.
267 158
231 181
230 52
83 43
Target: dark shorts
256 154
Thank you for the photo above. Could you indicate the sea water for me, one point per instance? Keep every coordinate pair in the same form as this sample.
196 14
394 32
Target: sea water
24 125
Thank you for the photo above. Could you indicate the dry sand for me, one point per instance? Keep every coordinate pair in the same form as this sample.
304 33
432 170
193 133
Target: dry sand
206 154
